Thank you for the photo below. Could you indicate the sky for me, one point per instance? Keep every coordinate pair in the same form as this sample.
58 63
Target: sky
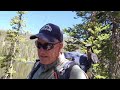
36 19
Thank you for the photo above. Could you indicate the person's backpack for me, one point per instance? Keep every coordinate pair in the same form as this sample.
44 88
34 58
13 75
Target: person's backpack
80 59
63 73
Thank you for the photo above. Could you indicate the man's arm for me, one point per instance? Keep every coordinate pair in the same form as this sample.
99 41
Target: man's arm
94 58
77 73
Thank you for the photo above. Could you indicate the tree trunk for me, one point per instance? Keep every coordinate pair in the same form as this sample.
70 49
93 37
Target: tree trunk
9 74
115 63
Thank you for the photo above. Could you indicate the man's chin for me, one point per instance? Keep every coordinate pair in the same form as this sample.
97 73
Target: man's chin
44 62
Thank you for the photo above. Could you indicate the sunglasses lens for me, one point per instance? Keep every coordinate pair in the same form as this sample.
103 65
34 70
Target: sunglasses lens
38 45
46 46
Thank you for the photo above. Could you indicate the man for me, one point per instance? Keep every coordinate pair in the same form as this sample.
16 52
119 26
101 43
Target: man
51 60
92 59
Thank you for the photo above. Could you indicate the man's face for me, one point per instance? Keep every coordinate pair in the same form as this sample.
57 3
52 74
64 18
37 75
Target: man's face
89 49
48 53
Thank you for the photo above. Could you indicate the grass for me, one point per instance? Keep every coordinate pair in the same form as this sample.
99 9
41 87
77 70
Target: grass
22 68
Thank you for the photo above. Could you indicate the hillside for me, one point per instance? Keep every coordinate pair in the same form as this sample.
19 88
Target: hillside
27 53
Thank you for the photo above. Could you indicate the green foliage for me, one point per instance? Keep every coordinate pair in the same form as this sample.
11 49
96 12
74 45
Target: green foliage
99 72
22 12
100 77
98 28
13 38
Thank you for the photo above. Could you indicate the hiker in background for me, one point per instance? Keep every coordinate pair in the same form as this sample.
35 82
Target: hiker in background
92 59
52 63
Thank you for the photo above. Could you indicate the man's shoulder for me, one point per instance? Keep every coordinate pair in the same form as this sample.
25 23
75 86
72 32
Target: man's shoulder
93 55
77 73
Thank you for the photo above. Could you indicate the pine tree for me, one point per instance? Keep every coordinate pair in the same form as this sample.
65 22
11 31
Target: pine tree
13 37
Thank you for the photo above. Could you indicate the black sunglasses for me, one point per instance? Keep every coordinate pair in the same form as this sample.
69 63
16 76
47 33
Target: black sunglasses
46 46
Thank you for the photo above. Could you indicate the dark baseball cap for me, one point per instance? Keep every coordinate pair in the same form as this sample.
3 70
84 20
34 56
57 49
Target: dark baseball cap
49 32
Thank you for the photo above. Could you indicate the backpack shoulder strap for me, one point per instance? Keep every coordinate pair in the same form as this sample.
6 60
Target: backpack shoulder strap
64 72
34 69
68 67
